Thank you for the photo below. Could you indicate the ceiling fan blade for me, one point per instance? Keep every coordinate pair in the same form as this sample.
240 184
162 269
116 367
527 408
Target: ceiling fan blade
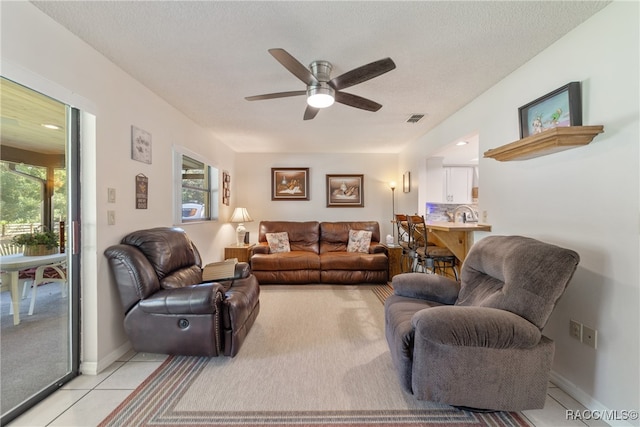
362 74
310 112
357 101
294 66
276 95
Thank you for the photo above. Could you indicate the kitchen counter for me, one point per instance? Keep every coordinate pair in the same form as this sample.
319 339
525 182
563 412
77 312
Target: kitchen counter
456 236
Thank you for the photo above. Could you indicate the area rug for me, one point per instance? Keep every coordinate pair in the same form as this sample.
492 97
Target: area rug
316 356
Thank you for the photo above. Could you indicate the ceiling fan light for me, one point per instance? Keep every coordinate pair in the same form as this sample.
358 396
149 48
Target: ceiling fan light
320 96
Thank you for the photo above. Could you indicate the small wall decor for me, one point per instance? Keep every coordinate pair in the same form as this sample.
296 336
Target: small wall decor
560 108
140 145
226 190
406 182
345 191
142 191
289 183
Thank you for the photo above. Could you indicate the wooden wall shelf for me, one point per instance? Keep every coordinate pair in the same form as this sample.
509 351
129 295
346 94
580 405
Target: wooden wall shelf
548 142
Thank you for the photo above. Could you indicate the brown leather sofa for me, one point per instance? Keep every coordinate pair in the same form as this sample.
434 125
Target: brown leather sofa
318 254
167 309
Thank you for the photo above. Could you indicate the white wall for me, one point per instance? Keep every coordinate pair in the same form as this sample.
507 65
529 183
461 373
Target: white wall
586 199
254 178
41 54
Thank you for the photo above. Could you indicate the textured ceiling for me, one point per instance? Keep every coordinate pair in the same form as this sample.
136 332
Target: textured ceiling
205 57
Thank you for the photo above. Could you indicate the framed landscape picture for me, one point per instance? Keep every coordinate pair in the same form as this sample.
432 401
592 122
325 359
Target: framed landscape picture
345 191
289 183
562 107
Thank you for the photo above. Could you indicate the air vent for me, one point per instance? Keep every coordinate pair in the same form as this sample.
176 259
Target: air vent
415 118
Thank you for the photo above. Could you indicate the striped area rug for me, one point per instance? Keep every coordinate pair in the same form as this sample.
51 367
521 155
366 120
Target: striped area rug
338 373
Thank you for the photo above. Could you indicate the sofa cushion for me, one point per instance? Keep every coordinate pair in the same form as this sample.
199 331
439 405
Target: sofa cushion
334 236
167 251
359 241
353 261
278 242
516 274
292 260
303 236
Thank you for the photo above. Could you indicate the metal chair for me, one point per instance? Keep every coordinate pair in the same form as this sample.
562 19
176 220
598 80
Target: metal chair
429 257
408 254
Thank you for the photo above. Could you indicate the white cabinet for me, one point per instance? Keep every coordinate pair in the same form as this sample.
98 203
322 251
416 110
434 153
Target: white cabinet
457 185
447 184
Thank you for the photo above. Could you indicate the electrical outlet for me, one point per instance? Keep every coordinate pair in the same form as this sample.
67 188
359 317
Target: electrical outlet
111 217
575 330
111 195
589 336
485 215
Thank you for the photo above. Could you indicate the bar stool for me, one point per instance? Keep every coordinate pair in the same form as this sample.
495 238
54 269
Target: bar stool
408 254
431 258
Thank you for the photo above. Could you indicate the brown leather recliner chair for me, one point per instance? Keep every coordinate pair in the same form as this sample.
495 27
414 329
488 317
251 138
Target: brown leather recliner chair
167 308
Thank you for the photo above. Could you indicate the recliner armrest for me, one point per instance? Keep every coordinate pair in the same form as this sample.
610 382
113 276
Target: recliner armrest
196 299
260 249
377 248
474 327
430 287
242 271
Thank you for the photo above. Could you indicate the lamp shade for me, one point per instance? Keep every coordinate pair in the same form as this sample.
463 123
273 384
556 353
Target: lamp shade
240 215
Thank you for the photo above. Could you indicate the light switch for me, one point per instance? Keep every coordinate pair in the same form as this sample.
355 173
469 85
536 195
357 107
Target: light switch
111 217
111 195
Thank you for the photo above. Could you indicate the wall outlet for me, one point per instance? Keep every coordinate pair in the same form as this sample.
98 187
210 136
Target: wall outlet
485 215
111 195
589 336
575 330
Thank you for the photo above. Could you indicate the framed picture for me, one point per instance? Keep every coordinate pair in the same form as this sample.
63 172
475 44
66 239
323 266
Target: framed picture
345 191
140 145
406 182
226 191
562 107
142 191
289 183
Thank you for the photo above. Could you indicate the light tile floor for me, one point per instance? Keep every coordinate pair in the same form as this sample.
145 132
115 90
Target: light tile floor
88 399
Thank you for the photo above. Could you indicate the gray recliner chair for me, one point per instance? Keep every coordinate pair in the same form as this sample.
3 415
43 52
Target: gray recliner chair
167 308
478 343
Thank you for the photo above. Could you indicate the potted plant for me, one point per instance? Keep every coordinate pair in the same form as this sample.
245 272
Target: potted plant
38 243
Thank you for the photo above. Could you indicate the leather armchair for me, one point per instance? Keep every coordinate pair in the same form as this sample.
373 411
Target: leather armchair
479 343
167 309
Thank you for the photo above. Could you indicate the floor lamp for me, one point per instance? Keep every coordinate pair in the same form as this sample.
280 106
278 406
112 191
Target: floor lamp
392 184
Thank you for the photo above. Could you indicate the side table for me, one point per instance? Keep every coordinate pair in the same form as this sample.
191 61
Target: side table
242 252
395 259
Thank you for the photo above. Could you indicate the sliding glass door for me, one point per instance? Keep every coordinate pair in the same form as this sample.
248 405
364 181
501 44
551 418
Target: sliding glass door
39 199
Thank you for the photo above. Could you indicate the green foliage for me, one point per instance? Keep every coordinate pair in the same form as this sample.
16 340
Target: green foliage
46 238
21 197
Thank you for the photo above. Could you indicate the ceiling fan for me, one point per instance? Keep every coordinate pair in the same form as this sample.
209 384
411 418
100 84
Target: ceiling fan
322 90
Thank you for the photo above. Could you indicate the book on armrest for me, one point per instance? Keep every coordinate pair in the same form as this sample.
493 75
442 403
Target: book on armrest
219 270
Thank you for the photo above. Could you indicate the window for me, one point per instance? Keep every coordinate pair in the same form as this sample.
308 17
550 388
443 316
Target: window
196 188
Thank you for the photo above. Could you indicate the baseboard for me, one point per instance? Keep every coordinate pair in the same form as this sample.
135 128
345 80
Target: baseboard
595 409
94 368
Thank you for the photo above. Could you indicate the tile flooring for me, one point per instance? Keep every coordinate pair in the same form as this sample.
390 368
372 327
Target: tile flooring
88 399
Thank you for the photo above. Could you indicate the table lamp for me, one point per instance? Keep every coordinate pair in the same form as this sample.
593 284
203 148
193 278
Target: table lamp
240 215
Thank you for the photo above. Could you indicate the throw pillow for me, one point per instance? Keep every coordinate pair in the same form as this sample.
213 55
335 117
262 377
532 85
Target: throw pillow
278 242
359 241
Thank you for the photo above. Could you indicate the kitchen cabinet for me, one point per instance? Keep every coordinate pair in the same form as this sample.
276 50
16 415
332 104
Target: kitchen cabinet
458 182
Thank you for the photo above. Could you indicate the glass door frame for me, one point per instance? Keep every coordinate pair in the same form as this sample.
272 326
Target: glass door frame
72 165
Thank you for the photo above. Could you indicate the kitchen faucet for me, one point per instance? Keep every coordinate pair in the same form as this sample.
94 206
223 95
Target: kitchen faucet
472 217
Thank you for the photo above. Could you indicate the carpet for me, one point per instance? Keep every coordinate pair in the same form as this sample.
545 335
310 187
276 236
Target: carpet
316 356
